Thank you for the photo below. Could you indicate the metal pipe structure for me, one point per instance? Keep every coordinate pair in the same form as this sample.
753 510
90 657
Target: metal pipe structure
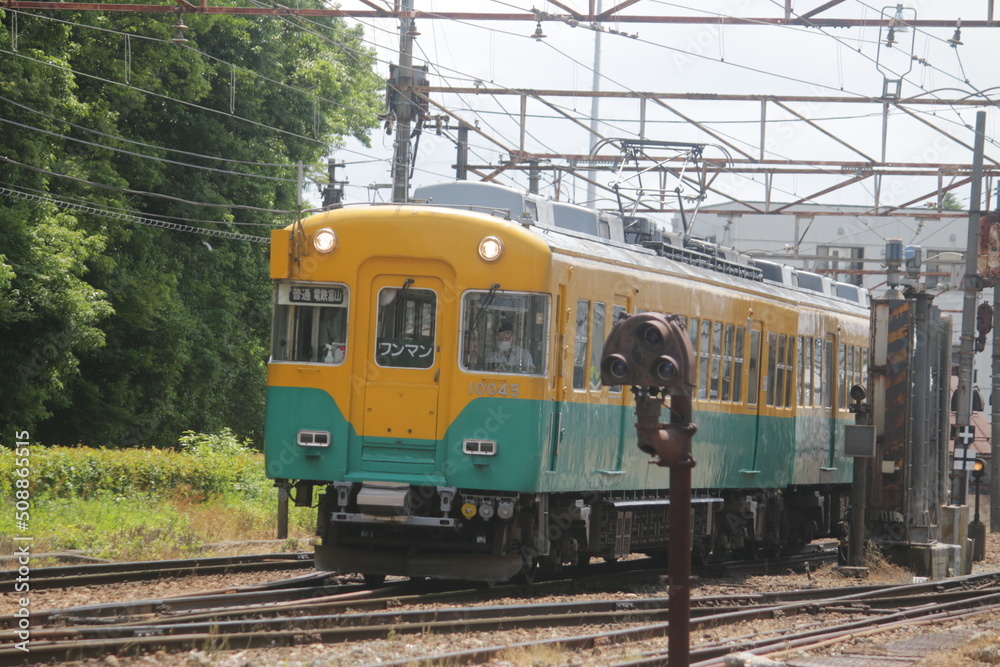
403 108
971 285
995 426
589 20
652 353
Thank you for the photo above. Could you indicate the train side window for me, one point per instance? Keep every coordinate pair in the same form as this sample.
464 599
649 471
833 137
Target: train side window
807 369
727 363
800 398
772 360
753 368
790 373
829 372
580 350
617 314
817 372
596 346
782 373
504 332
310 323
713 391
704 358
738 365
692 332
845 364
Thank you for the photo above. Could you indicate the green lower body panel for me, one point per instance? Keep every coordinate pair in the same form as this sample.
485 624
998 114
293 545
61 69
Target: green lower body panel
541 446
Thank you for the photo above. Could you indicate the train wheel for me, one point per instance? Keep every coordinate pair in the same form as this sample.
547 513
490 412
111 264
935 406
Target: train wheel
700 551
373 580
527 573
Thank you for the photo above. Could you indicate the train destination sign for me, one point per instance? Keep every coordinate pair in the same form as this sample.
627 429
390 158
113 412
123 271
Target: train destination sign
319 295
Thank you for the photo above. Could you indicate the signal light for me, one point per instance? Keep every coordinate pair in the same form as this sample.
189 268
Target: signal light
666 370
978 469
647 350
617 366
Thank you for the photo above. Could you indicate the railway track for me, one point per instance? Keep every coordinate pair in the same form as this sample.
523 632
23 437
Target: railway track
309 609
108 573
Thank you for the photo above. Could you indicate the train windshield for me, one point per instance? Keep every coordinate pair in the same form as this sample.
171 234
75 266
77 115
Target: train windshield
310 323
406 321
504 332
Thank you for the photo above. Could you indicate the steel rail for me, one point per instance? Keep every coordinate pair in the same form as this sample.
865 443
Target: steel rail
104 573
254 632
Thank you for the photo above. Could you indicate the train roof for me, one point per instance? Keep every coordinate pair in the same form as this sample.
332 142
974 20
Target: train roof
604 234
561 240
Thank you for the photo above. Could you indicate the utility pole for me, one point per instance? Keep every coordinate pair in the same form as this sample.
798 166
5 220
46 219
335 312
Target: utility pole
971 284
462 163
333 194
400 79
595 111
533 176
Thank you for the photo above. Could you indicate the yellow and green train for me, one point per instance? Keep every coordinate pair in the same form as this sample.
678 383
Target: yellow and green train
434 375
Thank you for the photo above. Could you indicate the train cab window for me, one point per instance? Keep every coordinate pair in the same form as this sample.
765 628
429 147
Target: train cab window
504 332
404 334
310 323
580 349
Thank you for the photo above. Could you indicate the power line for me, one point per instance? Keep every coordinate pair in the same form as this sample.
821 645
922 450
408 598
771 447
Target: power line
140 192
126 217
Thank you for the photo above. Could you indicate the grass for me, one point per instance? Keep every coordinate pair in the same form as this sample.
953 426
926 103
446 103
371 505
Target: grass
535 655
151 504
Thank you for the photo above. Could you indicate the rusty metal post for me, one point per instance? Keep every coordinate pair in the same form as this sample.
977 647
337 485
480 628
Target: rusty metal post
652 353
283 510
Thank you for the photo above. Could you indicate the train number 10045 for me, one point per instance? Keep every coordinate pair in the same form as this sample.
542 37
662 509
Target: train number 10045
511 390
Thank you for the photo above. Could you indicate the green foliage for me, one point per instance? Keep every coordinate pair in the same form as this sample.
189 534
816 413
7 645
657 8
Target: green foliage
116 333
136 504
210 465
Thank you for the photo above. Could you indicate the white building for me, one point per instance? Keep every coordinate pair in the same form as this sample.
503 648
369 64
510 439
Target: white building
845 244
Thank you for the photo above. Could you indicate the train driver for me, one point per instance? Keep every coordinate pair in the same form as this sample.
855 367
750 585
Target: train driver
507 355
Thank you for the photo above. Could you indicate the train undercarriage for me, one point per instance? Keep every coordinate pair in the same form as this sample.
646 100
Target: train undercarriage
380 528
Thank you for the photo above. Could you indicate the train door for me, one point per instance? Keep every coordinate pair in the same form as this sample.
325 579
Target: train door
756 384
399 422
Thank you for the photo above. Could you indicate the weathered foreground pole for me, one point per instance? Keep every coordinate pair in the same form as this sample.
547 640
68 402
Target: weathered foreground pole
651 353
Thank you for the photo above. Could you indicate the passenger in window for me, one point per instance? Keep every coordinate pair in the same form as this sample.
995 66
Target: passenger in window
507 355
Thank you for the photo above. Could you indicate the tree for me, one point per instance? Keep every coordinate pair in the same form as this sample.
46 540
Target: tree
152 331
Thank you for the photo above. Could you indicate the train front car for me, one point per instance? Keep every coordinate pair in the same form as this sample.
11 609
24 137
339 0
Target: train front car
406 386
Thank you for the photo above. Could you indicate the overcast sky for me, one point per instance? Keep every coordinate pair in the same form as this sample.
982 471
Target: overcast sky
847 62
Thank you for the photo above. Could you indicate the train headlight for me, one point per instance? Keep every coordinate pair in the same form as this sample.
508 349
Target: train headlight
325 240
505 509
490 248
